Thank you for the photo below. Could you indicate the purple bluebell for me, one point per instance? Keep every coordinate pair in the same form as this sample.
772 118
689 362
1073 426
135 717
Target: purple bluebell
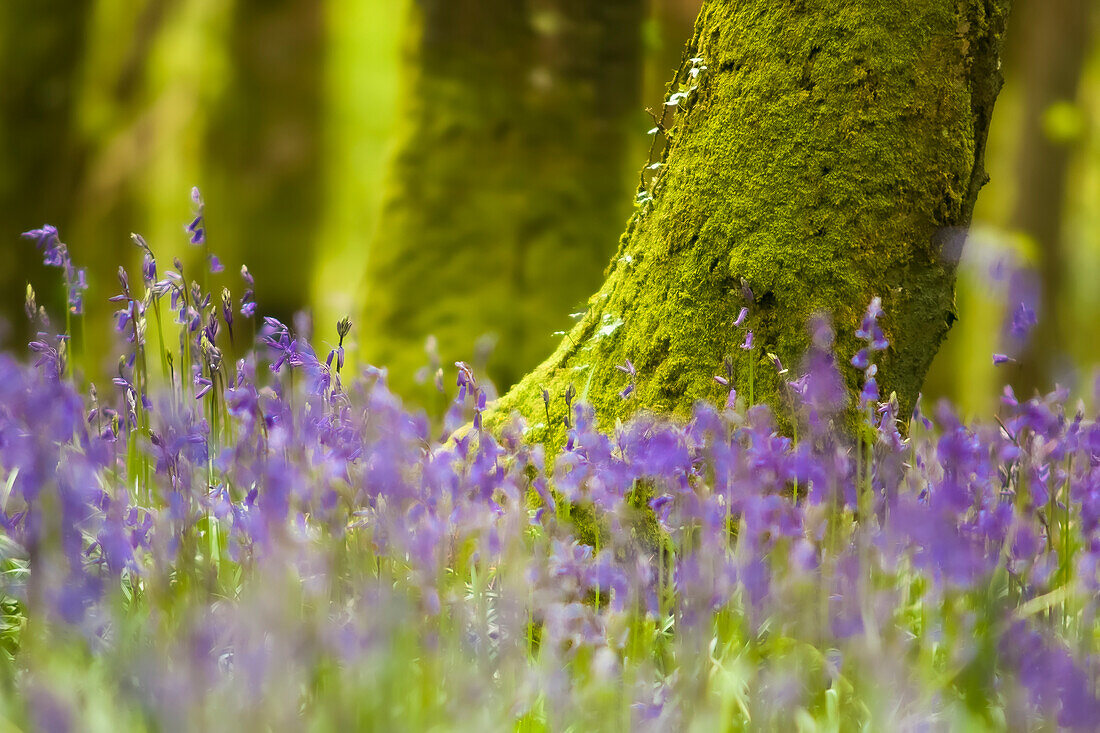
197 228
869 329
56 254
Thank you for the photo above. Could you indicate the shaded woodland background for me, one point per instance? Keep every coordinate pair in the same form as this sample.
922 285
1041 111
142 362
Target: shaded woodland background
287 113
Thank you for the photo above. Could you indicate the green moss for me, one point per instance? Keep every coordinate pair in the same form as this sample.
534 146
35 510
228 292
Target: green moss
591 528
509 183
831 153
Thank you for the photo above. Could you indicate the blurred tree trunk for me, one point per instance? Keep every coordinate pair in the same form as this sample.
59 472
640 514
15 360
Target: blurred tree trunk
41 49
510 179
264 150
830 153
1053 44
119 130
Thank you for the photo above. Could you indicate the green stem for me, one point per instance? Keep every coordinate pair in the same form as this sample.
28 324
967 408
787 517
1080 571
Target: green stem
752 379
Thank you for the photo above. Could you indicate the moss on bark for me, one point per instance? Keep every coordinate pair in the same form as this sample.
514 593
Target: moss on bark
831 152
509 183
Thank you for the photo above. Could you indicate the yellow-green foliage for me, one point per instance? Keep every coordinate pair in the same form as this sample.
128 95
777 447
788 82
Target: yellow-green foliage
825 152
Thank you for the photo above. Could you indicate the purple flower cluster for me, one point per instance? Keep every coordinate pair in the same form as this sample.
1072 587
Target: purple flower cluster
871 332
56 254
744 521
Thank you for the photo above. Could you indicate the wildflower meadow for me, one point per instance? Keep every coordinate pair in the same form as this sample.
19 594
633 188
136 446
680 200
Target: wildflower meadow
242 532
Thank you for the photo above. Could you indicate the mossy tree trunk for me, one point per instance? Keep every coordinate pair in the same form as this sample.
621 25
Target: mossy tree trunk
832 152
510 181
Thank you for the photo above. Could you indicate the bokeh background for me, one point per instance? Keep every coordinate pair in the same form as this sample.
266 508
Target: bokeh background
287 115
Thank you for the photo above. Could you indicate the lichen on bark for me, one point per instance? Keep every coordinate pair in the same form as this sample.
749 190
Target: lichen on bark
831 152
509 183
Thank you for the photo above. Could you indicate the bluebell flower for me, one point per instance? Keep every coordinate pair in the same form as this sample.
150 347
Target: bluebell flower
197 228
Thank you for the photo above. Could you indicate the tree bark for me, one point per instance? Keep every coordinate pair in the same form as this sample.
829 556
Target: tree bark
832 152
509 183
